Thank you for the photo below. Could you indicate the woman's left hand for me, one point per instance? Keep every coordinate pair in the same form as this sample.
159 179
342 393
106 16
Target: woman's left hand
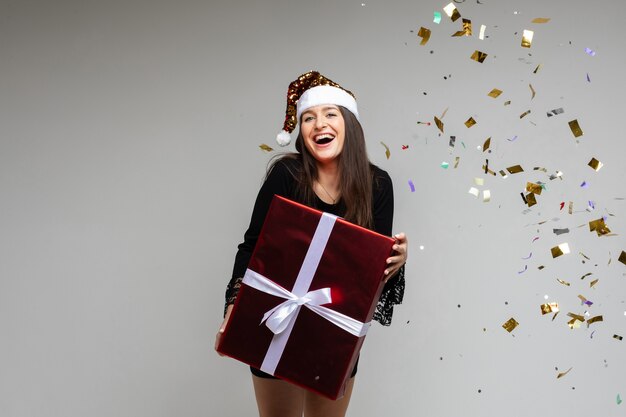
394 262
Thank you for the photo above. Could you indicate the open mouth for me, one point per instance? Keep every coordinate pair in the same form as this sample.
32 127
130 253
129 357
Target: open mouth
324 139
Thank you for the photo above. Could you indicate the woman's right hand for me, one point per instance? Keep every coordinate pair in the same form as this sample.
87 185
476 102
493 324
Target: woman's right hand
218 336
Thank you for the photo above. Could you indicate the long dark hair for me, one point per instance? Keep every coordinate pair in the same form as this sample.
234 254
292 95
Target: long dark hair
355 173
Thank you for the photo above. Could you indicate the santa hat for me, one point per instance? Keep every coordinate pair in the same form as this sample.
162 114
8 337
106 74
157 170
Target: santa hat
309 90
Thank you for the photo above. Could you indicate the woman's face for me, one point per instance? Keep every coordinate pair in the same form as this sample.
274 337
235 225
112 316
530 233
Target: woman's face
323 130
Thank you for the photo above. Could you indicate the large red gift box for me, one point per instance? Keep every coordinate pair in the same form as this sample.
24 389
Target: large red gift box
307 297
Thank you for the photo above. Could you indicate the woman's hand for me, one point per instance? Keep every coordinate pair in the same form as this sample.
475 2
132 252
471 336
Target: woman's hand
218 336
398 258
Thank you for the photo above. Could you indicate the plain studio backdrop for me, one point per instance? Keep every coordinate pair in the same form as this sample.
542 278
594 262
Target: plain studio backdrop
130 161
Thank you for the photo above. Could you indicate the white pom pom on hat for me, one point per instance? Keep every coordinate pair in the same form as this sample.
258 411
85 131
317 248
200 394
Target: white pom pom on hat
309 90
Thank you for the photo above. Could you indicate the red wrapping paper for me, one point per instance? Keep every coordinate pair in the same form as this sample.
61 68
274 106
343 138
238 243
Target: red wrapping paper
319 355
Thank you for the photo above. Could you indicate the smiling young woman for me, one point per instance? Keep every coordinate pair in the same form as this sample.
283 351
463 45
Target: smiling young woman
331 172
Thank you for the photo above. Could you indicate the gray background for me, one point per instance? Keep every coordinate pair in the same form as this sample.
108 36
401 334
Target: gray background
129 163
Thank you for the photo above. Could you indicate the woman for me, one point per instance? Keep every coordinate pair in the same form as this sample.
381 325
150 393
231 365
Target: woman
330 172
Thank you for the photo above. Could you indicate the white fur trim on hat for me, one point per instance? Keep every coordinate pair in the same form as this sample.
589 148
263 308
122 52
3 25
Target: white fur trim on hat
283 138
326 94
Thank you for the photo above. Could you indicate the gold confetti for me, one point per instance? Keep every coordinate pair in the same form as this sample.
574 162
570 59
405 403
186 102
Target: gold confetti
541 20
486 196
479 56
533 188
424 33
503 173
467 29
515 169
622 258
594 320
555 314
583 300
549 308
452 12
563 282
486 144
532 90
456 161
574 324
481 34
594 282
618 337
470 122
599 227
474 191
527 38
479 181
444 113
527 112
439 123
266 147
570 207
562 374
562 249
576 317
494 93
575 128
587 258
537 69
506 103
540 267
387 151
510 325
530 199
595 164
586 275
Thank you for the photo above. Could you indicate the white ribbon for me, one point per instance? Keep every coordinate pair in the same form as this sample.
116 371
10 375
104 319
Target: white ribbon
280 319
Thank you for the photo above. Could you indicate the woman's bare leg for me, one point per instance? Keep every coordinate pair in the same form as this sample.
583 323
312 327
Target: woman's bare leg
318 406
276 398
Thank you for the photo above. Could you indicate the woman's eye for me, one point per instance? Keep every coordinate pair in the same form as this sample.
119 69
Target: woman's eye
331 115
308 118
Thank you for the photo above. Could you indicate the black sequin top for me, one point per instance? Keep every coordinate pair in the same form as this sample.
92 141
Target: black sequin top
281 181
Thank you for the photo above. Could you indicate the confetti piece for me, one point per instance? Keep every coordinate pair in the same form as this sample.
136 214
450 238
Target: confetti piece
540 267
412 186
437 17
562 374
594 320
575 128
533 188
622 258
266 147
470 122
595 164
591 206
570 207
549 308
504 175
452 12
444 113
530 199
456 161
506 103
583 300
537 69
474 191
513 139
494 93
467 29
405 147
439 123
584 184
588 79
586 257
590 52
599 227
479 181
594 282
567 284
555 112
451 143
486 196
523 270
562 249
486 144
535 239
532 90
527 38
423 123
529 256
515 169
481 34
562 205
510 325
445 165
479 56
618 337
587 274
527 112
424 34
618 400
560 231
387 151
541 20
